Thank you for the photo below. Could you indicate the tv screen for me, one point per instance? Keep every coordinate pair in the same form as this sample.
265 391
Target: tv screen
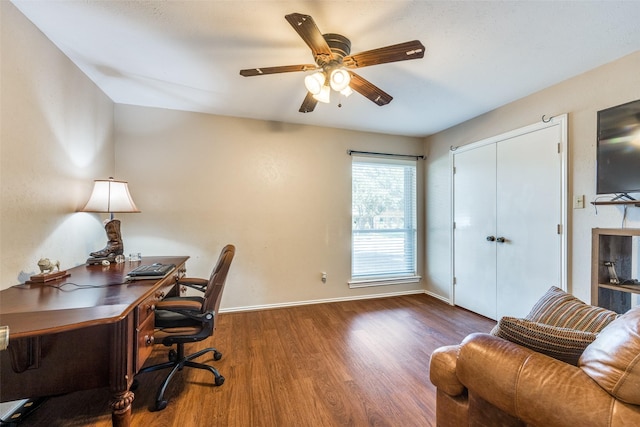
618 149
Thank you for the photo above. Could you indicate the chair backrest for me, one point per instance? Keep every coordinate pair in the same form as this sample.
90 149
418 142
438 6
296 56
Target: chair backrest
213 293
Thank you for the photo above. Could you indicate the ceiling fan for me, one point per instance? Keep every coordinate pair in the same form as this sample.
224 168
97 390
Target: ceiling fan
331 53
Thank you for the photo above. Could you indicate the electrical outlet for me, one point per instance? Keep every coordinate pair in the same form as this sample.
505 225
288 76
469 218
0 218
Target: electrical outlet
578 202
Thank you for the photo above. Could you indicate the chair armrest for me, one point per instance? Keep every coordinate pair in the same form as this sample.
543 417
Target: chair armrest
442 370
535 388
194 282
170 335
190 307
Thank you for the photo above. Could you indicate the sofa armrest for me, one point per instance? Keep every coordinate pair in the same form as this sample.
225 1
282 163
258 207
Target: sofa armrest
535 388
442 370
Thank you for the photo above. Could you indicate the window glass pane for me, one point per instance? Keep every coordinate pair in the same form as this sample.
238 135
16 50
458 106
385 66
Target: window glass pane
383 218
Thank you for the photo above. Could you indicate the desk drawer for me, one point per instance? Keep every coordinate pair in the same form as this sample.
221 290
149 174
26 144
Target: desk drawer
147 307
144 337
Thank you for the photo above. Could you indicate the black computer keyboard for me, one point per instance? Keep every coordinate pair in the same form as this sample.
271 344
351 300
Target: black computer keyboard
151 270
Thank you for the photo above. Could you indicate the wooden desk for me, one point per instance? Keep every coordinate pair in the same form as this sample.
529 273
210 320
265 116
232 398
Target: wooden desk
96 333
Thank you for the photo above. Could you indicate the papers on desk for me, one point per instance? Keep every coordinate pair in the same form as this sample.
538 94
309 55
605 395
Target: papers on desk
151 271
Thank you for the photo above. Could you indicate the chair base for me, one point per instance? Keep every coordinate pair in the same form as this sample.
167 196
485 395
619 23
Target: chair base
177 361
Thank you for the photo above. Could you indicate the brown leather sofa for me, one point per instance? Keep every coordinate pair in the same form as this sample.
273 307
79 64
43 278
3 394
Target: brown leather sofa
489 381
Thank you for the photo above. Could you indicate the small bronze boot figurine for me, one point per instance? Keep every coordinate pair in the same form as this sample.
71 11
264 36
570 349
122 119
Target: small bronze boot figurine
114 244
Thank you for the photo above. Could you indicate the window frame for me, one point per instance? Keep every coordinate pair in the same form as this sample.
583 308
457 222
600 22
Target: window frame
389 278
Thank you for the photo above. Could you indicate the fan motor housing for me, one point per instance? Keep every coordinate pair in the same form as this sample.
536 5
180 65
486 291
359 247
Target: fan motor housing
339 45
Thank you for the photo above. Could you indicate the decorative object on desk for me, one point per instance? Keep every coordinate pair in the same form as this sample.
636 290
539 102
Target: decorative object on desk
118 259
47 266
110 196
47 274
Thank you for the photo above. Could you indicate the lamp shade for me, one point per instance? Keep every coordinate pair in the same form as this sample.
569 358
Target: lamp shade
324 95
314 82
110 195
346 91
339 79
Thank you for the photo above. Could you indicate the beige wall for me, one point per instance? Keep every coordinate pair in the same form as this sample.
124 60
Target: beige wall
581 97
56 136
280 192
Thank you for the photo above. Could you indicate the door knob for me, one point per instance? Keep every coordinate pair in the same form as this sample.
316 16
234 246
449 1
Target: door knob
501 240
491 239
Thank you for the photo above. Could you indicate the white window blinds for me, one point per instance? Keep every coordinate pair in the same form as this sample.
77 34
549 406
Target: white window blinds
383 218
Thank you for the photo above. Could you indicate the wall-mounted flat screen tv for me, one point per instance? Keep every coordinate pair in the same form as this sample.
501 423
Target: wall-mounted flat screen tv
618 149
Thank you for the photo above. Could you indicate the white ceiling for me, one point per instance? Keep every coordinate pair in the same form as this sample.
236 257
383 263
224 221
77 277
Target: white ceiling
186 55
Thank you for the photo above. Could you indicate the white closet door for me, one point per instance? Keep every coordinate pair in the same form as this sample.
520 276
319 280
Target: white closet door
475 220
512 188
529 211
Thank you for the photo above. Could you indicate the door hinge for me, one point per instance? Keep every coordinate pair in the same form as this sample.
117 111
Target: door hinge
454 170
559 148
559 228
454 280
454 225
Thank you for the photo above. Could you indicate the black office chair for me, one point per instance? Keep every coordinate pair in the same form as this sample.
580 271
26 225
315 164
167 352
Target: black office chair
180 320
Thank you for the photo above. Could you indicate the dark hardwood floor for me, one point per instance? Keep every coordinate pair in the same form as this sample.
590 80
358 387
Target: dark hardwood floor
356 363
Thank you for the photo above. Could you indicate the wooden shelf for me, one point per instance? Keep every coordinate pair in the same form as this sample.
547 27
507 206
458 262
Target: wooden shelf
634 289
635 203
618 245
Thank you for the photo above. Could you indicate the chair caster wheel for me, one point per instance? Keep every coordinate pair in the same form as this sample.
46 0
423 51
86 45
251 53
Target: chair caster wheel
161 404
173 355
219 380
217 355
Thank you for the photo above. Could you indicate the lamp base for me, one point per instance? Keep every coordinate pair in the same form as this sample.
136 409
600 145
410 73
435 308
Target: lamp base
114 243
117 259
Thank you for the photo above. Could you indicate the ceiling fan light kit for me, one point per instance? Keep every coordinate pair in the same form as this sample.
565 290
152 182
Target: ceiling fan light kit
314 82
340 79
331 53
346 92
324 95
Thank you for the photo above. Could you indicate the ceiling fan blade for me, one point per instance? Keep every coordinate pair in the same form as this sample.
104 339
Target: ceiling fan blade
369 90
275 70
397 52
308 30
308 104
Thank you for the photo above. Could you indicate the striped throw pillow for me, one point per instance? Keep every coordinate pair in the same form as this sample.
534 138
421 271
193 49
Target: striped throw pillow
564 344
558 308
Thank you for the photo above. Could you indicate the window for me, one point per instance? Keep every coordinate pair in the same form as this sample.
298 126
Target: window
383 243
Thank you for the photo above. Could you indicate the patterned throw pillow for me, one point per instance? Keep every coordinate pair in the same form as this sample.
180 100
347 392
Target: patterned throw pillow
564 344
558 308
559 325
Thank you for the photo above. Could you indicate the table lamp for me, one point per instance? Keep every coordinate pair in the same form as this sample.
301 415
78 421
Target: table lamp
110 196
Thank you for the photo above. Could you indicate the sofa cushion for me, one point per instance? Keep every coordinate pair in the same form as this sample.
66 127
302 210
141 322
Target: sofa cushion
613 359
558 308
564 344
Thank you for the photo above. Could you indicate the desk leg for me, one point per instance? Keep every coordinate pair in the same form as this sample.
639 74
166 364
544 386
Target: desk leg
122 348
121 409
